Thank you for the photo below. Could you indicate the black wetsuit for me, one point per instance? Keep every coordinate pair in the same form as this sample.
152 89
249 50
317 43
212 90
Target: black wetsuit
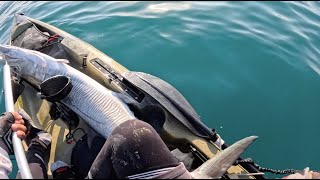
134 147
133 150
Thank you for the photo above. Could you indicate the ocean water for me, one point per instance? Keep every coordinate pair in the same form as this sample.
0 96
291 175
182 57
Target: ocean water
248 68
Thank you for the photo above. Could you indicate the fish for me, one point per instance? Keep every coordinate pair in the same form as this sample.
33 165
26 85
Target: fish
218 165
97 105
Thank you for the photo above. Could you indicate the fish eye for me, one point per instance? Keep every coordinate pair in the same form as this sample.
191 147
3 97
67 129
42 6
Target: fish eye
15 68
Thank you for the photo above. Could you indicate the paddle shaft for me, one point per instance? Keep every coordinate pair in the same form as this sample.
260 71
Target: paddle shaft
17 144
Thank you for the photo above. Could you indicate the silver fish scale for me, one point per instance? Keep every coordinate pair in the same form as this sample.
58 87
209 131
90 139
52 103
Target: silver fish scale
94 103
97 105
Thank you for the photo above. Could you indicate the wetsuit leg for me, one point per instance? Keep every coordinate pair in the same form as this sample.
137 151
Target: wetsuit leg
36 158
38 142
133 147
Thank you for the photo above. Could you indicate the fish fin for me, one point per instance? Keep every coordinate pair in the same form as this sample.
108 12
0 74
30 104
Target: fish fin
218 165
66 61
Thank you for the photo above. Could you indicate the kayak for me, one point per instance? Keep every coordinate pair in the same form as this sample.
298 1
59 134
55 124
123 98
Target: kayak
176 121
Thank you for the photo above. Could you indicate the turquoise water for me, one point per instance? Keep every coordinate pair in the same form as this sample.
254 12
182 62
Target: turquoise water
248 68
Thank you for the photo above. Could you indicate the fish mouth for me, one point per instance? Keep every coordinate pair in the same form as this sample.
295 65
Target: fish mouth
12 62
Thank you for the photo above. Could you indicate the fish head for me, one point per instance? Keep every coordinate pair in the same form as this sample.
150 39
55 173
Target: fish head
24 63
218 165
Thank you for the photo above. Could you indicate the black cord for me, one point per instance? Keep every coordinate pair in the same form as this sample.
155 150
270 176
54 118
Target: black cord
70 134
76 131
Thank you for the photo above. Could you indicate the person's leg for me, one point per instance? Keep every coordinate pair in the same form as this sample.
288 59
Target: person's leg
133 147
37 154
38 142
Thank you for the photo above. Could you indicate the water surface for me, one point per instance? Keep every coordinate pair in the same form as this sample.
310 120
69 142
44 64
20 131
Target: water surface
248 68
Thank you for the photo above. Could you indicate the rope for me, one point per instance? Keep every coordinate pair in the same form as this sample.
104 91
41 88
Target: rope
262 169
47 45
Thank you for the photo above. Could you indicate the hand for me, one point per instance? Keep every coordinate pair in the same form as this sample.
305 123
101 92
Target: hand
11 122
19 126
306 174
